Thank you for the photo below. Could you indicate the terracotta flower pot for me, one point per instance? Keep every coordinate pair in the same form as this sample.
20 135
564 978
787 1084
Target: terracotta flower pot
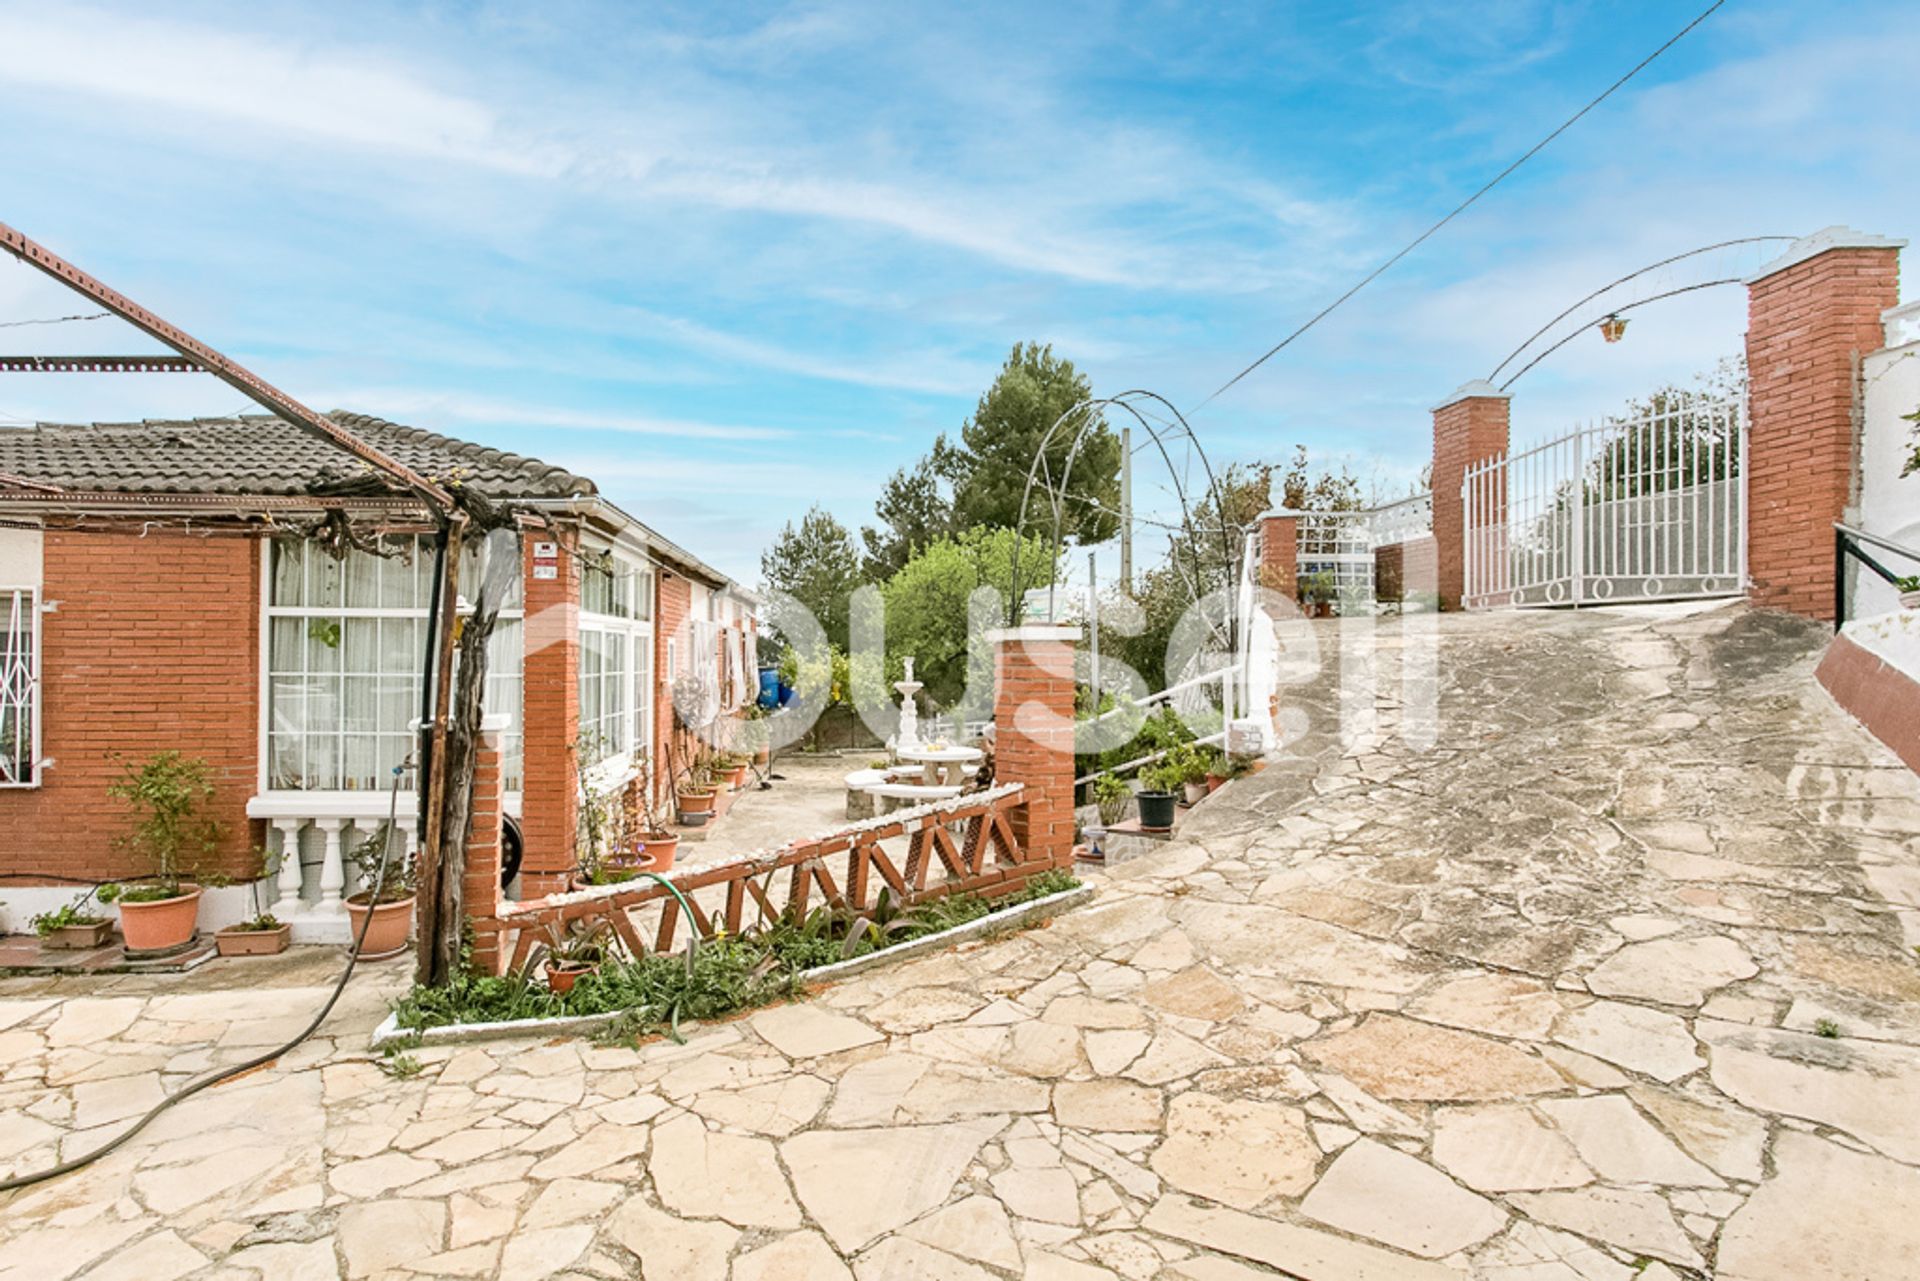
699 802
234 942
661 848
77 938
161 924
560 979
1215 782
387 935
737 777
762 755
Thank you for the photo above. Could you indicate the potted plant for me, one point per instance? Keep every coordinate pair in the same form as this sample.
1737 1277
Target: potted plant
1110 795
1319 593
1156 796
697 794
263 935
165 792
385 895
70 927
730 769
1909 589
757 735
1195 765
659 841
575 948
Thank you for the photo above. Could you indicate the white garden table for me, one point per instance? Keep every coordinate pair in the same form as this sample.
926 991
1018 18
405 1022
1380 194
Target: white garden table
942 766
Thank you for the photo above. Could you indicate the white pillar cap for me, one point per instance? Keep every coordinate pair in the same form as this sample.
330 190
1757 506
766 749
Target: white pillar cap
1835 237
1478 389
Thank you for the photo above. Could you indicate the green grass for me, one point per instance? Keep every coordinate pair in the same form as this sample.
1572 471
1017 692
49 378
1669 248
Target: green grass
725 975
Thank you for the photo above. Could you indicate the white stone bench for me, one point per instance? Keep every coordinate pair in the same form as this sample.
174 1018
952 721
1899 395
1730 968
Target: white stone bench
894 795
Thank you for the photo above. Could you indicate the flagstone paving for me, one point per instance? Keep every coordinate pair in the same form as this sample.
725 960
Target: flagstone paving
1615 979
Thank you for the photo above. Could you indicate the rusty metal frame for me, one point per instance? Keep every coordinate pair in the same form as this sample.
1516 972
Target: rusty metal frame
241 379
99 365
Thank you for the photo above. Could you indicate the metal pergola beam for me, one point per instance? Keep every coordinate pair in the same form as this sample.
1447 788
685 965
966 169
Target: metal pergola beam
241 379
99 365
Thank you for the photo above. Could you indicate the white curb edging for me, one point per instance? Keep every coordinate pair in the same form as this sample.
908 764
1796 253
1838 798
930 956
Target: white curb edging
390 1030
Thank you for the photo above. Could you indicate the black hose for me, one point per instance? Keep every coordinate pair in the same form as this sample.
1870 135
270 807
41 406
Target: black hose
215 1077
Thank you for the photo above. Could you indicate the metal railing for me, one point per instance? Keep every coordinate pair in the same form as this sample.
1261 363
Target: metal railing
1851 542
19 687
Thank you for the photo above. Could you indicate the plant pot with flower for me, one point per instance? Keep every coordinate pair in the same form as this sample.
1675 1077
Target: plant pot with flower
380 913
579 947
697 794
263 935
1909 589
166 793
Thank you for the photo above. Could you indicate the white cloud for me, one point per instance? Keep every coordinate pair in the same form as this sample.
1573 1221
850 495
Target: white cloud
355 99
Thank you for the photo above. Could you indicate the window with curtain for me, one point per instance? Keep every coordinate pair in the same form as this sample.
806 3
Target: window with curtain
616 659
345 651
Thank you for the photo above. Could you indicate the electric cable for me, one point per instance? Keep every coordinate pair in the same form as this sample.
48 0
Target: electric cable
1463 206
52 320
217 1075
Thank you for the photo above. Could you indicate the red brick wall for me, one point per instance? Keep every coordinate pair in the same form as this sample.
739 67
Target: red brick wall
1033 739
480 884
1279 554
155 646
1466 430
550 798
1807 324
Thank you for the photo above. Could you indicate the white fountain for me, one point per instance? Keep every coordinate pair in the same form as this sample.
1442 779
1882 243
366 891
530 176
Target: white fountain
909 734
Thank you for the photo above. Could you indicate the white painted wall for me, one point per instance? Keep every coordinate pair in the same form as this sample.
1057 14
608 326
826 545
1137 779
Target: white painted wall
1889 504
20 558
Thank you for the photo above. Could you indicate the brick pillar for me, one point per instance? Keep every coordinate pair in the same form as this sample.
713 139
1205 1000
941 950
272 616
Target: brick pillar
1468 427
1811 314
480 884
1033 733
550 796
1280 552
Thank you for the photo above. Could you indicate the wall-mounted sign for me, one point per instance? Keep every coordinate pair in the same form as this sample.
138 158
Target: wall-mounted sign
546 571
546 551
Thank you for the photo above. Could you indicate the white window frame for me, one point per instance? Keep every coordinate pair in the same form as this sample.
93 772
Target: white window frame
26 599
633 633
424 553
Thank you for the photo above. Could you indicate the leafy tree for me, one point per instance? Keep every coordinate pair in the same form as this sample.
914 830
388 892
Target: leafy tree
989 467
819 566
914 509
1304 490
927 615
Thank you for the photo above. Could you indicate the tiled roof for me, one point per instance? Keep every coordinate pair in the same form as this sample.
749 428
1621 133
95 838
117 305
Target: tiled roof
262 454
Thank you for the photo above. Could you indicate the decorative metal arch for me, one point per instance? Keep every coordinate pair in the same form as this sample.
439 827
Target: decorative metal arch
1612 309
1090 414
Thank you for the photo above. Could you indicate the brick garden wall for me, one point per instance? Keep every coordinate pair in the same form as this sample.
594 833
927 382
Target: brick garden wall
550 802
155 646
1467 429
1808 325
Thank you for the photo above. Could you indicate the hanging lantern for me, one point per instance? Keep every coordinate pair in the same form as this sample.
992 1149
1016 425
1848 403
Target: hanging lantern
1613 328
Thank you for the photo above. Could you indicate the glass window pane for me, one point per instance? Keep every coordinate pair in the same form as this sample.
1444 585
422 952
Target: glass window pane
360 649
284 768
323 578
404 581
324 636
361 772
287 704
400 646
361 576
360 707
323 760
289 567
286 651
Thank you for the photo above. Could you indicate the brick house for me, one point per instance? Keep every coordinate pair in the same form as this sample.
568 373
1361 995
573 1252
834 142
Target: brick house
165 585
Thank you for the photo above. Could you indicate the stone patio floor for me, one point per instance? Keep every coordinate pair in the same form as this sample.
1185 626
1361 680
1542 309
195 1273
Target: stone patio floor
1617 978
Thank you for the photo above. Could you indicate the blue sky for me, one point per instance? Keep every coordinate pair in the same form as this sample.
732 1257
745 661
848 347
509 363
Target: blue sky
731 260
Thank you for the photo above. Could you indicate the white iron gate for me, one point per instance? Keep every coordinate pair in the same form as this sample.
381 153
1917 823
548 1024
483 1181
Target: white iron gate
1336 554
1651 507
18 734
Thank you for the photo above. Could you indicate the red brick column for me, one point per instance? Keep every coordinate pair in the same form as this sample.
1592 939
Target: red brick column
1811 314
480 884
1468 427
1280 552
1033 733
550 796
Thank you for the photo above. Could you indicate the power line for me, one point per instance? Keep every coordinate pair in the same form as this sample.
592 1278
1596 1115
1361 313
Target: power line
52 320
1531 152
